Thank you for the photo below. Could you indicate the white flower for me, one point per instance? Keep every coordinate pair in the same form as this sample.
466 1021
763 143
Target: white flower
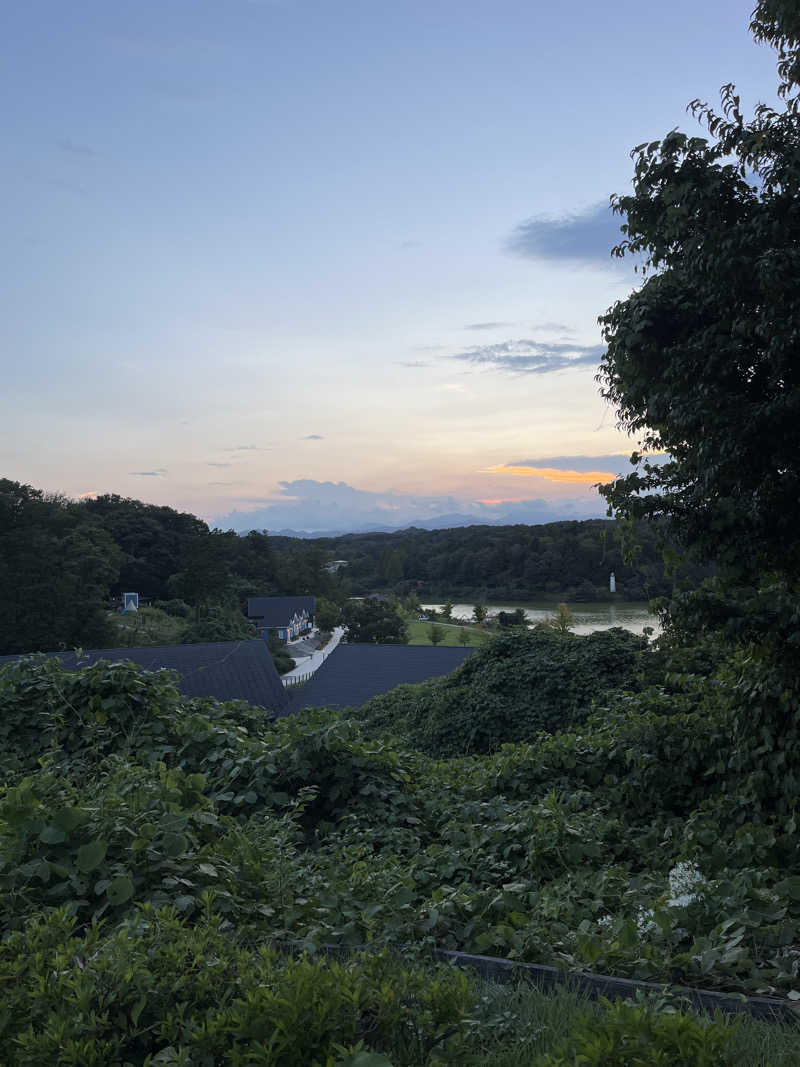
644 921
684 882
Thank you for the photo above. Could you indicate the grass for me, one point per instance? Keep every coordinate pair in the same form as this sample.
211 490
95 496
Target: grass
418 633
148 626
515 1024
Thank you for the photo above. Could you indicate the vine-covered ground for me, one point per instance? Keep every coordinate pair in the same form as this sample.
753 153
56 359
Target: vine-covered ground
154 850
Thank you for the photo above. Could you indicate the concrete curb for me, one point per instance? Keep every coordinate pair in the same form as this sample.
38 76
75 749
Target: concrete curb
496 969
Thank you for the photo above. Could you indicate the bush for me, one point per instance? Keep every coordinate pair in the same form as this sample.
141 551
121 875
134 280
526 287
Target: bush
179 609
510 690
156 986
638 1035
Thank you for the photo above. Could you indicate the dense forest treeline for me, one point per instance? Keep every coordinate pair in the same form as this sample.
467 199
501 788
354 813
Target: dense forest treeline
63 562
565 560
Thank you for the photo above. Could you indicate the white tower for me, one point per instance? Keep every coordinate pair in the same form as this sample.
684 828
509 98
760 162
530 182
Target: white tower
612 583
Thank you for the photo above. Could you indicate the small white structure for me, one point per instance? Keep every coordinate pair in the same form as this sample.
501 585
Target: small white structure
612 583
130 601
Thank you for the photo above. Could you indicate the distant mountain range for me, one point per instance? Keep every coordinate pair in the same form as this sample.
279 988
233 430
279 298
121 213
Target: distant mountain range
441 522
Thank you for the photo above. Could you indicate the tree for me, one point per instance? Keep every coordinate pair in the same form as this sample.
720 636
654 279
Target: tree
702 358
463 636
326 614
479 613
435 634
56 566
562 620
447 611
702 365
507 620
373 621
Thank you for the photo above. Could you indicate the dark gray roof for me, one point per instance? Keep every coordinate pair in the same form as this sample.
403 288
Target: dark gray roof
278 610
223 670
353 674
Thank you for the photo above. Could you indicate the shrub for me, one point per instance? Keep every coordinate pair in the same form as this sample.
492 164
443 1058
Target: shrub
639 1035
156 986
510 690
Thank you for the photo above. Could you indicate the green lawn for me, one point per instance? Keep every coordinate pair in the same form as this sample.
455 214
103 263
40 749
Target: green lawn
418 633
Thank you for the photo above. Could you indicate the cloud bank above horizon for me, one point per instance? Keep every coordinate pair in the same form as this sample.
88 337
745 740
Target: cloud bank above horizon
306 505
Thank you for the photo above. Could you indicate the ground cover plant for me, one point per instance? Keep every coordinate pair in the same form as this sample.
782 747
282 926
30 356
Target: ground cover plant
622 847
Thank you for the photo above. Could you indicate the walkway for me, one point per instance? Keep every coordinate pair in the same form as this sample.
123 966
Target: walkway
308 664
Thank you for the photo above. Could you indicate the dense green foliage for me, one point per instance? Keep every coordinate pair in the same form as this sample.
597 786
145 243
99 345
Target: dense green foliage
508 691
56 565
702 358
570 560
63 561
632 846
374 621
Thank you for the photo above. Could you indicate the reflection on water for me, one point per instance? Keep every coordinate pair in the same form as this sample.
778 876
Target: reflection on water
588 617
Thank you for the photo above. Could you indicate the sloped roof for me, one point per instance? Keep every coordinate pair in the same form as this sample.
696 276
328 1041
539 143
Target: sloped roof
278 610
223 670
353 674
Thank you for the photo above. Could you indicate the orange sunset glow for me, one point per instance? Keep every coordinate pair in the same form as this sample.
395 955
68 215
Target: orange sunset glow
551 474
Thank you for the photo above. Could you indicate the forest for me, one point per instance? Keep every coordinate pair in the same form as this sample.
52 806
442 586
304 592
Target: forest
559 560
63 563
194 883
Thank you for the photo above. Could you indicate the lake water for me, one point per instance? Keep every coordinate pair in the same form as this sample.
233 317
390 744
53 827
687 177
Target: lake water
588 617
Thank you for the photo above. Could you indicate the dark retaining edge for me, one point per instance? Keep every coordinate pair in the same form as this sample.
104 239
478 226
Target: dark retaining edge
768 1009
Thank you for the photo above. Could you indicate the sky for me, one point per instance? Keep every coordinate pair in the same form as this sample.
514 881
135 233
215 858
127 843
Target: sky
317 265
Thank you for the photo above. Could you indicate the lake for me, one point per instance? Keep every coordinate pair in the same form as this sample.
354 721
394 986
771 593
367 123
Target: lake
633 616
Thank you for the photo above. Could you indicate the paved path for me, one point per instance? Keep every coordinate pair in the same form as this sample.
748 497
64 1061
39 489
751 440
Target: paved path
308 664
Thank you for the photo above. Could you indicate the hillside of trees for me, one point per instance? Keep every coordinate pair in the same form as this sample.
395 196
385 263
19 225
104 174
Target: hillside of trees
557 560
63 562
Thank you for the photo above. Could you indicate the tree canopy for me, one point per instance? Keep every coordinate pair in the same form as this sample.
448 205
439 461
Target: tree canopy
702 358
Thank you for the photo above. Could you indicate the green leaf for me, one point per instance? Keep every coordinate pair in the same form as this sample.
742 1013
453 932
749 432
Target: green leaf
91 856
120 890
52 835
174 844
69 818
789 887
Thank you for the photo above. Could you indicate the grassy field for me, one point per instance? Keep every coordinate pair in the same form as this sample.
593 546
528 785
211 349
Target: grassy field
418 633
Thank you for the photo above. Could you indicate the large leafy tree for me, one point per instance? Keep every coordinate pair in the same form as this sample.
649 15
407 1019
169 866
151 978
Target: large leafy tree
702 360
374 621
703 364
56 566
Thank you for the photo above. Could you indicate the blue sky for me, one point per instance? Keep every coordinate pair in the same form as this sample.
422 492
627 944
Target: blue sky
298 260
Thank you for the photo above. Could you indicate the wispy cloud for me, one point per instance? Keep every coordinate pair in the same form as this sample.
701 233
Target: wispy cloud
414 363
531 357
246 448
486 325
160 472
313 437
619 461
587 236
212 464
74 148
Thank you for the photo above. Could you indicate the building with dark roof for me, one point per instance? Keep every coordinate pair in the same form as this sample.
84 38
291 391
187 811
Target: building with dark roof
224 670
353 674
286 616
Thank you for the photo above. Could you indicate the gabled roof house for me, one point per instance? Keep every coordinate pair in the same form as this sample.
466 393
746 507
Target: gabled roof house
354 674
222 670
287 616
